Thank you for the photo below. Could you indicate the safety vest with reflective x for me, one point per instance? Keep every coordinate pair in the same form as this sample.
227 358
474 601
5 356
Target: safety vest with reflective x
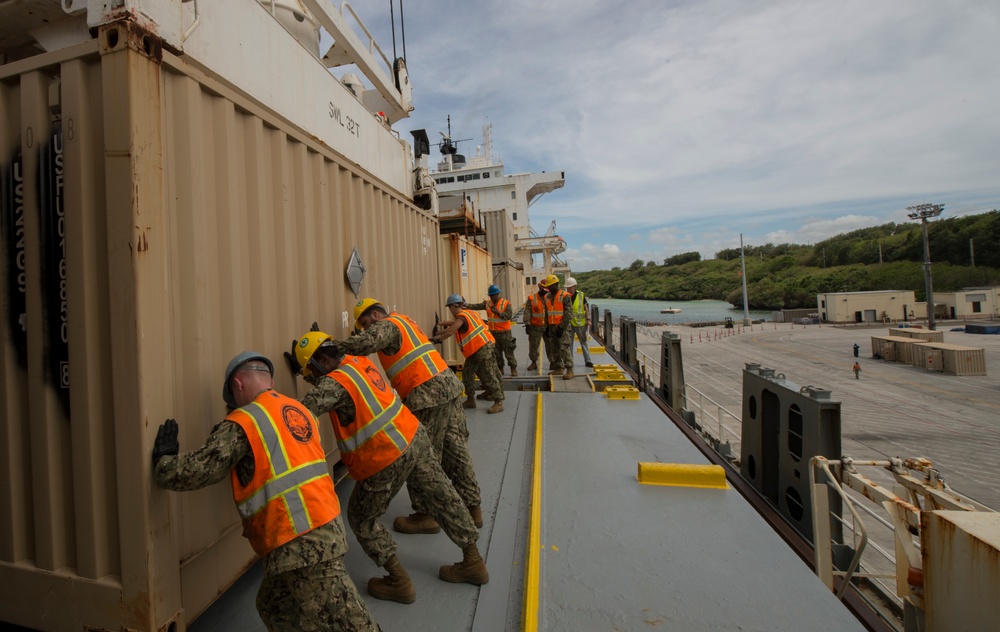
382 427
416 361
475 335
291 491
494 319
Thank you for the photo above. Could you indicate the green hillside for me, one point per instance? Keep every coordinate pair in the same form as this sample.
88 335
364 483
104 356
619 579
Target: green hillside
790 275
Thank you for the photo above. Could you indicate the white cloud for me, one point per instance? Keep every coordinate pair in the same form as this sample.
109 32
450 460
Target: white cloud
693 122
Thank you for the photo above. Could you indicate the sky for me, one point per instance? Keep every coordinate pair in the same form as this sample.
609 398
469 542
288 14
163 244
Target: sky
681 125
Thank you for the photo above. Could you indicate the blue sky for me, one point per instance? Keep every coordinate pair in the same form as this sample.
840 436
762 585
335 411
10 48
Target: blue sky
681 125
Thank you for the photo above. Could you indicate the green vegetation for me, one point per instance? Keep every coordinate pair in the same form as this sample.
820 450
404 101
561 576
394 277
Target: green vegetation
791 275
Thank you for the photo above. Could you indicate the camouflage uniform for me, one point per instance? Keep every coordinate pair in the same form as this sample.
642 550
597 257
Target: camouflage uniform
505 343
483 363
306 585
437 404
418 467
559 338
535 333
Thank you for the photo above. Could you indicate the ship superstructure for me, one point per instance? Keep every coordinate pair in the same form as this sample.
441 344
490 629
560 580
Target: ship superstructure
471 188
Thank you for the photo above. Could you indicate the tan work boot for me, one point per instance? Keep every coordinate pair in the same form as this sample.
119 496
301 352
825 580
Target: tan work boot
569 374
497 407
477 515
556 372
532 367
470 402
416 522
513 372
484 396
471 569
394 587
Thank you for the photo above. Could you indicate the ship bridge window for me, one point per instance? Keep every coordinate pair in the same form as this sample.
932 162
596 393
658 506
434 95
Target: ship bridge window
474 176
496 174
461 178
486 174
513 195
449 179
515 215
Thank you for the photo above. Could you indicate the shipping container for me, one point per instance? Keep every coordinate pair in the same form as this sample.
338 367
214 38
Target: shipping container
158 219
465 269
894 348
927 335
952 359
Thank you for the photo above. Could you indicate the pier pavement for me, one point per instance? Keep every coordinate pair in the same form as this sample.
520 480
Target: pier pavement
893 410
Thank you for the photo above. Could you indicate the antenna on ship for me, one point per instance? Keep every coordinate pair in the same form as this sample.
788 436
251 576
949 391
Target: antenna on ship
449 147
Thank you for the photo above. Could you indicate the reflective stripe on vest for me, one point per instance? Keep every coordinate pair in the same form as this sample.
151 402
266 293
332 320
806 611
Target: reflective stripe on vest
476 337
496 322
416 361
555 307
382 427
291 491
537 311
380 418
579 312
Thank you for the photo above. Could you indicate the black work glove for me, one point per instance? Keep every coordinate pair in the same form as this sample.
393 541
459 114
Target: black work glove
435 340
291 361
166 441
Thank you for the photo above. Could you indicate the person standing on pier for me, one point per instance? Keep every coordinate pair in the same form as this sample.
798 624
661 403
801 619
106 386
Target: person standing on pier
857 371
856 349
499 312
580 321
269 447
558 336
534 317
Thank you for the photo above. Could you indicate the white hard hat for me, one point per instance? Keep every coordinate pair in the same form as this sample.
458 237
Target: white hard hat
570 282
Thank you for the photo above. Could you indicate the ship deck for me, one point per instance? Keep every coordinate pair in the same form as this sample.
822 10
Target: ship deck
614 554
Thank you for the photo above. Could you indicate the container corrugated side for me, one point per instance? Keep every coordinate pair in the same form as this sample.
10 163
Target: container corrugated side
159 222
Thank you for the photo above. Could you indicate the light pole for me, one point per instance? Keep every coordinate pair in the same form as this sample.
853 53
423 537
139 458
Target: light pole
922 212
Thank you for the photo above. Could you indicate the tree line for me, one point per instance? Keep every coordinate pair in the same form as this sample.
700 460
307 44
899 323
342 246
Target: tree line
965 252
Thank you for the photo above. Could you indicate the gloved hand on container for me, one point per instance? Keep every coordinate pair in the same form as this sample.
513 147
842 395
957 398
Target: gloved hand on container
166 441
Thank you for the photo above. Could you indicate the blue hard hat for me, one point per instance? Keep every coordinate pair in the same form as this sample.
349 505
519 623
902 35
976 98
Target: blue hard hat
493 291
235 364
454 299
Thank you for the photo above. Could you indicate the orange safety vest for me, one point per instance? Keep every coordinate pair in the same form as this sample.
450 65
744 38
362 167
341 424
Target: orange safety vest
476 334
496 323
291 492
537 306
416 361
382 428
555 307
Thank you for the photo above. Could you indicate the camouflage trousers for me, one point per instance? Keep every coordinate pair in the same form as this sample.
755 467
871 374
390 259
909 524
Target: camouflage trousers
505 347
320 596
534 342
557 348
484 364
449 433
419 469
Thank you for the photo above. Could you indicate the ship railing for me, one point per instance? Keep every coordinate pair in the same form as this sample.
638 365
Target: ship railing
874 570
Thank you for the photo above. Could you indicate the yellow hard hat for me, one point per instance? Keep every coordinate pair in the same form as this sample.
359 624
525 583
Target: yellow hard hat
549 281
363 306
304 350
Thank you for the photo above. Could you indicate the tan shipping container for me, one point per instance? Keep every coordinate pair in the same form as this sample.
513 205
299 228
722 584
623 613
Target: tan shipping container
158 221
465 269
896 349
952 359
927 335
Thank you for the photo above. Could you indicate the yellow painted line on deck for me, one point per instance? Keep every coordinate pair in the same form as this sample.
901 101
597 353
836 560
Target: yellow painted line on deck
682 475
529 617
